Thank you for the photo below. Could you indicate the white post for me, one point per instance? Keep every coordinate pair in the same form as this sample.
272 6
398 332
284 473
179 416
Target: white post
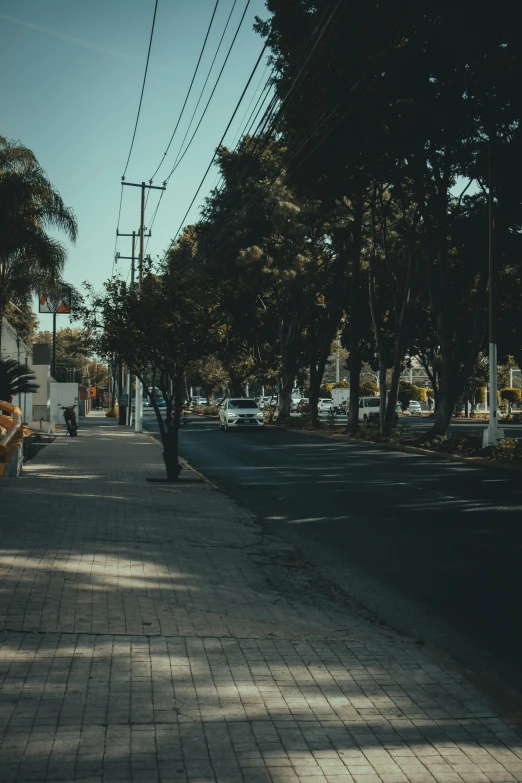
129 399
248 390
510 377
492 433
338 358
411 375
138 413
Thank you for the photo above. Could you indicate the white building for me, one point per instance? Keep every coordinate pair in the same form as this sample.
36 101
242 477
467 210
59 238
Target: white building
13 347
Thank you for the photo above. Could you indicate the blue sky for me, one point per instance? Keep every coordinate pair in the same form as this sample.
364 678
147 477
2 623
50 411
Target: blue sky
72 79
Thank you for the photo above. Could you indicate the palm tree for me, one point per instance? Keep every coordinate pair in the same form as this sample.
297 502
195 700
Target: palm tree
31 261
15 379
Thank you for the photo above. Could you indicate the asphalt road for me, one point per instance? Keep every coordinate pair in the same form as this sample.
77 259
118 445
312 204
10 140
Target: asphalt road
430 547
423 423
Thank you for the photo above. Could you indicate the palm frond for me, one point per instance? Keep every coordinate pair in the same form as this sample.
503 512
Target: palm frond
15 379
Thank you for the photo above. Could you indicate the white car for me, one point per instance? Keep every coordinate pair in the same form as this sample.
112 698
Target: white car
414 408
240 412
369 408
325 405
198 402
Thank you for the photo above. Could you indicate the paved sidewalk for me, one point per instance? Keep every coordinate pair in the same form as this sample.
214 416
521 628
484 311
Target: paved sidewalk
153 632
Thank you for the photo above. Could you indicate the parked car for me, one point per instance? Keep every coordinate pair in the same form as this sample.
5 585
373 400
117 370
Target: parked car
414 408
324 405
368 407
294 404
198 402
160 402
240 412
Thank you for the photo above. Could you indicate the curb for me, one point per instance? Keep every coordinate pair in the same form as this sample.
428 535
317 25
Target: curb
207 481
187 465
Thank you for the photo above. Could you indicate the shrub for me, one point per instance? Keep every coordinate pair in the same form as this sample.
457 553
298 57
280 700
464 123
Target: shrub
507 450
514 418
113 412
270 412
407 392
208 410
511 396
341 385
326 390
368 389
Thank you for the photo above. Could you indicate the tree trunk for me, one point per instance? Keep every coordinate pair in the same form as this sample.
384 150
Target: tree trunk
286 383
355 325
170 439
315 386
393 395
382 394
236 386
170 455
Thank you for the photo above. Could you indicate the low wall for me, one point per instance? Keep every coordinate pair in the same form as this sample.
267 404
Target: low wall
11 441
13 467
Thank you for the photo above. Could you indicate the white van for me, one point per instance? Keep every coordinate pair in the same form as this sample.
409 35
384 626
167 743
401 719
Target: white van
367 406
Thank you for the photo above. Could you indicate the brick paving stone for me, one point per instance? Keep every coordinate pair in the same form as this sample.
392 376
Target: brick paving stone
148 632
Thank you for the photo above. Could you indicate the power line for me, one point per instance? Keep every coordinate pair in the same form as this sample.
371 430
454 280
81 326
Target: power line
117 229
206 81
326 115
142 88
189 89
223 136
272 117
182 155
201 95
178 158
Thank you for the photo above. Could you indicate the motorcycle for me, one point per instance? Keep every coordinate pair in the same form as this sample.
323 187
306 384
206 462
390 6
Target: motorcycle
69 415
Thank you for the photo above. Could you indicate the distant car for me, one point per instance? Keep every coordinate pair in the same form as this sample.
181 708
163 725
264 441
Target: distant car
325 405
414 408
146 403
160 402
294 404
368 408
198 402
263 402
240 412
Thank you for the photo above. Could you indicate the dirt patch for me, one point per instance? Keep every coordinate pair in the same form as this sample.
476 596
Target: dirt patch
35 443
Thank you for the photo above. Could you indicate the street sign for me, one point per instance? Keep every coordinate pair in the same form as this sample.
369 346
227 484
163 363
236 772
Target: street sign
58 303
124 399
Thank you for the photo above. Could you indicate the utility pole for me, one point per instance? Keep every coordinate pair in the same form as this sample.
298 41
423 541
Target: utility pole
53 366
138 417
126 417
492 433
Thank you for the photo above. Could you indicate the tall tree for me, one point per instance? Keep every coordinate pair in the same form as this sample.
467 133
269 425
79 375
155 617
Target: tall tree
157 333
31 261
